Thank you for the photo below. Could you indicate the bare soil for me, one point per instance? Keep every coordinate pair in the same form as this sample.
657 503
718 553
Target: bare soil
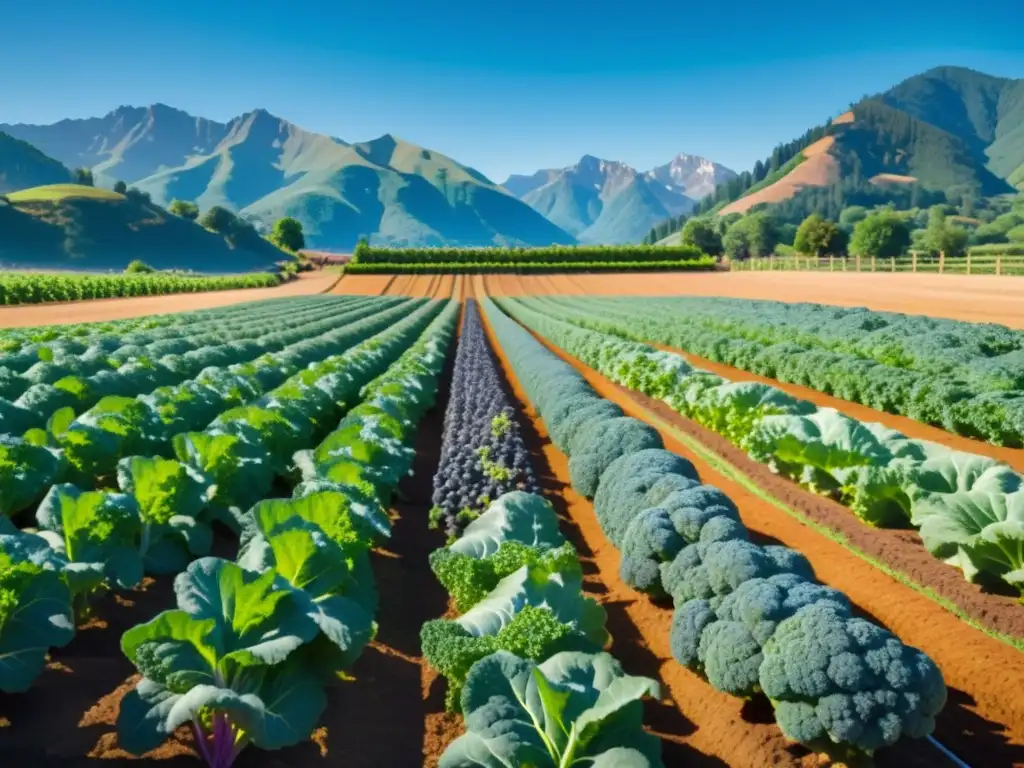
817 169
974 298
99 310
983 722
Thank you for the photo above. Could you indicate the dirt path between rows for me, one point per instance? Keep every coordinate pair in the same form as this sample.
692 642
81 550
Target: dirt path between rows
984 720
100 310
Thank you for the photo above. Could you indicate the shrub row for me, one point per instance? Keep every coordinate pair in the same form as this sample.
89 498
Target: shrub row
698 263
27 288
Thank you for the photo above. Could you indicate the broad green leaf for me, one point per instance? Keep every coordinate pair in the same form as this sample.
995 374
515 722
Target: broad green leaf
515 516
35 615
574 709
535 586
256 621
95 527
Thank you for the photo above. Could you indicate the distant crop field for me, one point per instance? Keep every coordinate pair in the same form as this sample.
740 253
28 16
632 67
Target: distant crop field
57 192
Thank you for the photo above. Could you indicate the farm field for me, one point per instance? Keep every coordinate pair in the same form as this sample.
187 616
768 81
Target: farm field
422 493
986 299
100 310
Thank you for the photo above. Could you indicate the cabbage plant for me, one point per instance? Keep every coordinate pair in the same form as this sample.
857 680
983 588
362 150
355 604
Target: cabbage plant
575 709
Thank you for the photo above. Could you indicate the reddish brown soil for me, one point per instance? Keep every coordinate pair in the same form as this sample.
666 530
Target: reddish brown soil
818 169
975 298
983 722
98 310
364 285
915 429
698 725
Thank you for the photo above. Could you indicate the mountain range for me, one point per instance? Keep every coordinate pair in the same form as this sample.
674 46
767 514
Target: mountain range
601 201
948 134
388 189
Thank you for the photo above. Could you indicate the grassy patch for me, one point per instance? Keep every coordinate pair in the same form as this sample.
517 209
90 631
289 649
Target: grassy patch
56 192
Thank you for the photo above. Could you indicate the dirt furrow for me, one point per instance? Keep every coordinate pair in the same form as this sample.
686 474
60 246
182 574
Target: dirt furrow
984 720
698 725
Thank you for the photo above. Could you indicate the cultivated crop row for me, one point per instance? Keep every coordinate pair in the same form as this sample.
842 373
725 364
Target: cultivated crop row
164 511
969 509
749 618
524 653
366 255
86 449
967 378
249 653
482 453
77 336
106 368
30 288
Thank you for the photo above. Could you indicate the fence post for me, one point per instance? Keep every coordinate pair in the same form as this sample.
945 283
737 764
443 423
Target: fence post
892 264
858 262
872 263
999 265
968 262
913 261
942 262
831 263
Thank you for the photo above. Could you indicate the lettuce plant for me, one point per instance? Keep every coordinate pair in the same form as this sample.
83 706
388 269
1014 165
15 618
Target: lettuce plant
574 709
97 530
170 497
229 661
26 471
35 608
335 575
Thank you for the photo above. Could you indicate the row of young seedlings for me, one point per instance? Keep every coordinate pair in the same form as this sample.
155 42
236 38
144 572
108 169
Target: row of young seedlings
749 618
524 653
84 541
249 653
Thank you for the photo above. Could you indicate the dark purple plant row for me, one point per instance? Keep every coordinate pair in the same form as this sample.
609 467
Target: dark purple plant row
482 453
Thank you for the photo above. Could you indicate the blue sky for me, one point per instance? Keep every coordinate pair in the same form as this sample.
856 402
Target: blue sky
507 87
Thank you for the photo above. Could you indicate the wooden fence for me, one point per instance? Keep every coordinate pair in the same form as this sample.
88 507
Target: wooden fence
978 264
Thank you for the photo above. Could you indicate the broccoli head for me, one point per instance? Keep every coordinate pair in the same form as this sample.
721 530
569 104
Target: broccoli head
636 481
533 633
600 443
834 678
573 415
469 579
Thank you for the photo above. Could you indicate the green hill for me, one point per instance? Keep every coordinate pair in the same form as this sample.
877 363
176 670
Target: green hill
400 194
388 189
74 227
948 134
22 165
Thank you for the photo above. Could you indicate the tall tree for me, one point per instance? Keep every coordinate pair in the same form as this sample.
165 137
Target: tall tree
753 236
83 176
702 234
817 236
882 234
288 234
